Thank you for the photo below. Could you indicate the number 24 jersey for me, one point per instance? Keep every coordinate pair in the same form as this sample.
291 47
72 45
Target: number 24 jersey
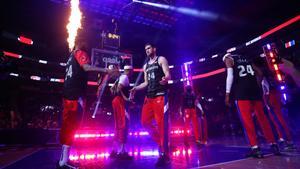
245 85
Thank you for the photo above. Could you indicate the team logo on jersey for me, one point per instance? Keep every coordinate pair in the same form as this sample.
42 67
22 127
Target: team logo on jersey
83 59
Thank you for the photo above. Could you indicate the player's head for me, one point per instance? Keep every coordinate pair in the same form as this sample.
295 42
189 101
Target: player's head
127 69
81 41
150 49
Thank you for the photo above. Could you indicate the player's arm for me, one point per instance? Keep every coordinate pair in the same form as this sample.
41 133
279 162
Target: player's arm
289 68
84 61
142 85
228 60
120 87
259 73
198 105
165 66
113 89
266 91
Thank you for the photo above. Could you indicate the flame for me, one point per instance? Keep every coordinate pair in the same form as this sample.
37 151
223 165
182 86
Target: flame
74 23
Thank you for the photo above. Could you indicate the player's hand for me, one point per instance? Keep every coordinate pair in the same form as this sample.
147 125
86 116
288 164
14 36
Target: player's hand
286 66
227 100
130 100
113 72
132 93
133 90
163 81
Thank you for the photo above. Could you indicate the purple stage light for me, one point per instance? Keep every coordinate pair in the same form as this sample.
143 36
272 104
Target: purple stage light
284 96
96 135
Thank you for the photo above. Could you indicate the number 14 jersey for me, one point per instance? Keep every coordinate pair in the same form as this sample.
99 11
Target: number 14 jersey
245 85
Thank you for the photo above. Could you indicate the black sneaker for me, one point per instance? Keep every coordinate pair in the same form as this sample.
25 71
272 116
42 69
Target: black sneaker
255 153
281 142
124 156
163 160
275 149
113 154
289 147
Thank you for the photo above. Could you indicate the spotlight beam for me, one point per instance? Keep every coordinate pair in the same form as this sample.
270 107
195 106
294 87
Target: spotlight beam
183 10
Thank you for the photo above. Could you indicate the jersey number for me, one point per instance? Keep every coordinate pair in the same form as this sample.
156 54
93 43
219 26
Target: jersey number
69 72
151 76
244 71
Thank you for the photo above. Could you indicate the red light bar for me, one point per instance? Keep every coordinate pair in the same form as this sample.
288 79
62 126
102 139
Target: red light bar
138 70
14 55
276 67
209 73
277 28
279 77
92 83
25 40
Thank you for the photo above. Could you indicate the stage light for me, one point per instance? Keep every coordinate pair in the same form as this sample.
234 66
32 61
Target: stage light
201 59
290 44
14 74
231 49
284 96
93 83
14 55
62 64
143 133
276 67
25 40
279 77
271 53
253 41
95 135
183 10
35 78
56 80
81 157
281 26
214 56
149 153
43 61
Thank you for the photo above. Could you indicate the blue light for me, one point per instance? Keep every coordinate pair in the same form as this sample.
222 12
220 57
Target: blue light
269 46
282 87
185 67
208 15
284 96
